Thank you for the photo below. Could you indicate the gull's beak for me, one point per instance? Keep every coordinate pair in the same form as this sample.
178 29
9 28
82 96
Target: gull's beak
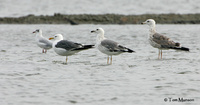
51 38
143 23
33 31
93 31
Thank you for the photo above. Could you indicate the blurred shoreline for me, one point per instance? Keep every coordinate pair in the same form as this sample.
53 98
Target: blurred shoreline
58 18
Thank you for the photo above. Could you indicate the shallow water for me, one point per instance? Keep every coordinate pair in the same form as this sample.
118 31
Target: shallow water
8 8
28 77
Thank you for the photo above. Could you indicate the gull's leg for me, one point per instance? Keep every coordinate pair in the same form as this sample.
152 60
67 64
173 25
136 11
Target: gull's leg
42 50
158 54
111 60
108 60
45 51
161 54
66 59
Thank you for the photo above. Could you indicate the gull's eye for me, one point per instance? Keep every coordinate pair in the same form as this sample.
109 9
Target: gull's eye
55 36
148 21
97 29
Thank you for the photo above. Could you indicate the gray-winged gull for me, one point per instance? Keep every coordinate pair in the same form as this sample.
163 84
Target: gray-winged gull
67 48
160 41
107 46
41 41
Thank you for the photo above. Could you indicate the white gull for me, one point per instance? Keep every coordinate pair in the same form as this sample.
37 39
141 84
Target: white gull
42 42
107 46
67 48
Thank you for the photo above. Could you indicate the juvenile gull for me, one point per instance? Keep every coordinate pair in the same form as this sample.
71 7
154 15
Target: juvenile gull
41 41
67 48
107 46
160 41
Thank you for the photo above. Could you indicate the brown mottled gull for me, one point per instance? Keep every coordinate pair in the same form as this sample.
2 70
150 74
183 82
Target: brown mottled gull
160 41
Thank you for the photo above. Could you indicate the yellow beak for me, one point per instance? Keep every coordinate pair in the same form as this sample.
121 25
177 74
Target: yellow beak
51 38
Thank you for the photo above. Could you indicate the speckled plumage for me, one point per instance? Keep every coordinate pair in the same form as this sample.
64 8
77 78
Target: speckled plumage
160 41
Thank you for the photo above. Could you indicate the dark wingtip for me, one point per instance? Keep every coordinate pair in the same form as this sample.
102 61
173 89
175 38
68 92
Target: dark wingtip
130 51
124 49
185 49
89 46
85 47
180 48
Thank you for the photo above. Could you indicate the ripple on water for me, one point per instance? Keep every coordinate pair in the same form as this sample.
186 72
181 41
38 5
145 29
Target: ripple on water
45 79
184 72
33 74
3 50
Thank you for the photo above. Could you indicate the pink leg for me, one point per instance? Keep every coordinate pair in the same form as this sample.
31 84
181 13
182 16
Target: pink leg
111 60
66 59
158 54
42 50
108 60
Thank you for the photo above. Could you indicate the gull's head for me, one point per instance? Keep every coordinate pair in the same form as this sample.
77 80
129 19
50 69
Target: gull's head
149 22
98 31
57 37
37 31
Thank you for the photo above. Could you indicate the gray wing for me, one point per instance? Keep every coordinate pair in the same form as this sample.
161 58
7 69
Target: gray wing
113 46
68 45
45 42
164 41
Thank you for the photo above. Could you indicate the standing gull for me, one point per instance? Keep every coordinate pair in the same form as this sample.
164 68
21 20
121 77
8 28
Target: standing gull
41 41
67 48
107 46
160 41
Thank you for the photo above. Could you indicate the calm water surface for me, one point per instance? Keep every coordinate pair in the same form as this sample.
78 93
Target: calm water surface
8 8
28 77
